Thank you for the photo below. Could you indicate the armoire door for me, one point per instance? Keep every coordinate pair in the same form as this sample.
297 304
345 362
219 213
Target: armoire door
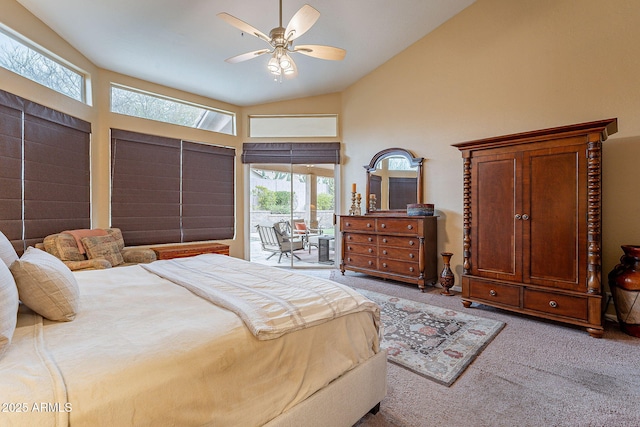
496 234
553 217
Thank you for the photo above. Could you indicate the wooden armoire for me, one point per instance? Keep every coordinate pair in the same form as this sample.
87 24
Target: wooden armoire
532 223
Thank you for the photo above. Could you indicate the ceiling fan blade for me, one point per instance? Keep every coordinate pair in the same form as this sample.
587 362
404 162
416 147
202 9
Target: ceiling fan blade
243 26
246 56
322 52
301 22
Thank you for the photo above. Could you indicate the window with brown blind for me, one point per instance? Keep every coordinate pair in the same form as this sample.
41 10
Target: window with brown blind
44 171
167 190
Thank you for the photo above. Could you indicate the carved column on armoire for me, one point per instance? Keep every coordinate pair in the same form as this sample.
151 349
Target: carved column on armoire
466 228
594 177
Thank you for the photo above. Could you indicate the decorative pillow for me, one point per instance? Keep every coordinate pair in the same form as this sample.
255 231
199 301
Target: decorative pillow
117 234
7 252
103 247
63 246
46 285
8 307
301 226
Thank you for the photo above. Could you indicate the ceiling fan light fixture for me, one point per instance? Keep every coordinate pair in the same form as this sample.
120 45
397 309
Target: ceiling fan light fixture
273 66
285 62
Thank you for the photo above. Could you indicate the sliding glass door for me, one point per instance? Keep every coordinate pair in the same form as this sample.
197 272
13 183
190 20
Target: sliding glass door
291 211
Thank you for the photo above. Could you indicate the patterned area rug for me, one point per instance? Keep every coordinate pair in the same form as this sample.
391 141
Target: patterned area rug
434 342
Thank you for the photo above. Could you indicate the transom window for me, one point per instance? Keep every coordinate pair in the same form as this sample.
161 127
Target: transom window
146 105
26 59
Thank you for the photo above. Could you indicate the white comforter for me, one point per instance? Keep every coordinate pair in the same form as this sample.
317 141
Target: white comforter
144 351
270 302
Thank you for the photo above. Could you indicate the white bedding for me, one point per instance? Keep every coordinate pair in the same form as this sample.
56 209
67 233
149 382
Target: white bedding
144 351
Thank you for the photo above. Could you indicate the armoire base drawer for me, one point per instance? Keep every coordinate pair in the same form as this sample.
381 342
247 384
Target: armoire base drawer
494 292
556 304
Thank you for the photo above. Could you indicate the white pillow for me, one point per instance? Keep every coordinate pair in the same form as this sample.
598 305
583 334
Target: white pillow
46 285
8 307
7 252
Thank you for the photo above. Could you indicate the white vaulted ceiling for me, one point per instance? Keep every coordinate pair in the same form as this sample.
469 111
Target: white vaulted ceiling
183 44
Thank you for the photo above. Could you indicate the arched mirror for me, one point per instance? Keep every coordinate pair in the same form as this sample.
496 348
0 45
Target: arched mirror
394 180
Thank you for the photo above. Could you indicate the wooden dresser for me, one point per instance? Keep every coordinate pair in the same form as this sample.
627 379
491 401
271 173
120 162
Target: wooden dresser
531 232
397 247
189 249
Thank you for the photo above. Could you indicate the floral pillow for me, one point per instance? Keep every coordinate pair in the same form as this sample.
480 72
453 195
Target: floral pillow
106 247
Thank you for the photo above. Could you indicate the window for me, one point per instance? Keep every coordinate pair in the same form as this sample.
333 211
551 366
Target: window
313 125
136 103
44 171
166 190
24 58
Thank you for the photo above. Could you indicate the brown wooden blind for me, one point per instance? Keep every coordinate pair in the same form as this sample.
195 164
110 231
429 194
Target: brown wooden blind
207 192
145 187
291 153
166 190
46 154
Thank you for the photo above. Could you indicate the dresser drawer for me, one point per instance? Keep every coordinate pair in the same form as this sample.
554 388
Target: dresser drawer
399 267
398 253
358 224
495 292
399 241
359 248
360 238
557 304
407 226
362 261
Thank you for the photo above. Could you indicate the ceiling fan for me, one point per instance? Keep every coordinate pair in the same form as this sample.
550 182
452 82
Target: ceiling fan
281 41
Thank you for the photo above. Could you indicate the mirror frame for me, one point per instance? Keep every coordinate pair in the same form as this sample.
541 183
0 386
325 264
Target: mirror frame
390 152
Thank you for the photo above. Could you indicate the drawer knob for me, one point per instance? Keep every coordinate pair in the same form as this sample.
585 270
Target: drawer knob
384 240
493 293
349 259
525 217
384 252
411 256
383 225
370 239
553 304
410 227
368 225
370 250
348 247
348 224
411 243
370 262
411 269
384 264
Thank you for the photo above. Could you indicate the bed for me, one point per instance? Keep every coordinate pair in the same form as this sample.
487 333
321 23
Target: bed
151 345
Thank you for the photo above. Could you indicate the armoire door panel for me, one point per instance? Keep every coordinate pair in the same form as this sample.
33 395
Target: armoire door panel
552 202
495 229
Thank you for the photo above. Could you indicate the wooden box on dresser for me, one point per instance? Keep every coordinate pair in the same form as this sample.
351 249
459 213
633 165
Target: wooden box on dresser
532 226
397 247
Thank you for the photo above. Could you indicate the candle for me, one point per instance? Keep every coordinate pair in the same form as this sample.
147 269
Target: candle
353 187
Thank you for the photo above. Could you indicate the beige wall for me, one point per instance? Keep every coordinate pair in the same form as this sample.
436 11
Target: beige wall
499 67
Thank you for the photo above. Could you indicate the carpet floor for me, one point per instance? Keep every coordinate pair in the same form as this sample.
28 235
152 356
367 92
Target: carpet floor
534 373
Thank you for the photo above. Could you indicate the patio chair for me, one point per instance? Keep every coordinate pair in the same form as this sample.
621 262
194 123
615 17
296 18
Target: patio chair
273 240
309 235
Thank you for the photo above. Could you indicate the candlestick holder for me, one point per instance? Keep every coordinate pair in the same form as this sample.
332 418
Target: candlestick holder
353 211
372 203
358 201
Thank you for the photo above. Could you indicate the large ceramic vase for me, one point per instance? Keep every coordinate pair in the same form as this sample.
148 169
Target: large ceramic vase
624 283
